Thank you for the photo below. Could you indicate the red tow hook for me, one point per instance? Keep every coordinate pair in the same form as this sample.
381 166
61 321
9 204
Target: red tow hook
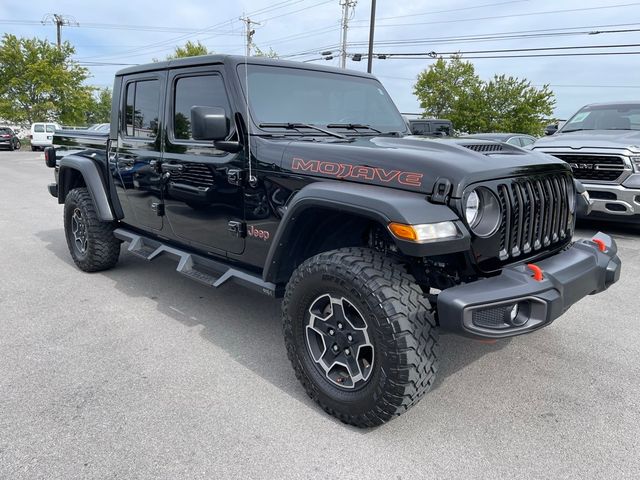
537 272
601 246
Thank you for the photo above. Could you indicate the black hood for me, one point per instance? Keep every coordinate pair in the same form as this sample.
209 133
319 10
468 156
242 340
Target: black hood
413 163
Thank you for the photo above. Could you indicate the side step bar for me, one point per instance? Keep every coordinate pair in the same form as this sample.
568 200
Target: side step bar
204 270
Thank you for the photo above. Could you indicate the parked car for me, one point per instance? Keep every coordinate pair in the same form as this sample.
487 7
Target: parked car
9 139
99 127
601 143
42 135
375 239
517 139
432 127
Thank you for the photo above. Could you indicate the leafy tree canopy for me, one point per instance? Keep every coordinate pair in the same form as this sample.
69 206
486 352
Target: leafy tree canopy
40 82
189 49
100 110
452 89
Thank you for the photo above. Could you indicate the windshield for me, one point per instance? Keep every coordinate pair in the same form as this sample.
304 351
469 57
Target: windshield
293 95
605 117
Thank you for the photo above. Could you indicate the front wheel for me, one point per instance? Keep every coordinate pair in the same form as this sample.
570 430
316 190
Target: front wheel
18 145
90 240
360 334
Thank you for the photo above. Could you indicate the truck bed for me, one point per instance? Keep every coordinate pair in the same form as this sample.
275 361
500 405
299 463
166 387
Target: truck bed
77 140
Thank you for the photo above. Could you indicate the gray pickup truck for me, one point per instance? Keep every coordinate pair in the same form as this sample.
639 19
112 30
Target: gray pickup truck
601 143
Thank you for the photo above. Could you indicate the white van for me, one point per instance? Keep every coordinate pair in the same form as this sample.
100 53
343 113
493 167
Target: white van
42 135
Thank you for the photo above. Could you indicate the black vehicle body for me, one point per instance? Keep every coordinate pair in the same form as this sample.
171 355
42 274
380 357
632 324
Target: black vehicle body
517 139
254 207
9 139
601 143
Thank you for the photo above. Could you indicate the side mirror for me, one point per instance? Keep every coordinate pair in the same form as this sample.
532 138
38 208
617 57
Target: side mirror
550 129
209 123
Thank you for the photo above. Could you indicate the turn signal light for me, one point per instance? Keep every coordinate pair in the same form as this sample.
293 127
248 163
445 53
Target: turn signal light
424 232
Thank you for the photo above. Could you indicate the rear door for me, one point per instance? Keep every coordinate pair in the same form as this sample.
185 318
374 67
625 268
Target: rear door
138 149
202 206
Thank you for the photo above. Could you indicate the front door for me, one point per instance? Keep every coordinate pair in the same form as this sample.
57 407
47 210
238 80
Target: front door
138 152
202 207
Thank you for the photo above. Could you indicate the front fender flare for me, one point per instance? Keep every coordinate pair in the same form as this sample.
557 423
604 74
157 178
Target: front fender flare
380 204
92 179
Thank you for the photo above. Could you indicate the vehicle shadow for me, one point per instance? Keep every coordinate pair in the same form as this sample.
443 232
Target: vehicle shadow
251 336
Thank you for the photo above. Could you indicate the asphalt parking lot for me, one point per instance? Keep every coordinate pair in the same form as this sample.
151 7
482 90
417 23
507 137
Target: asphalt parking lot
139 372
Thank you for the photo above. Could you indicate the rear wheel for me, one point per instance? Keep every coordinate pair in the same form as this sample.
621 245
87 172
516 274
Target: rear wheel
90 240
360 335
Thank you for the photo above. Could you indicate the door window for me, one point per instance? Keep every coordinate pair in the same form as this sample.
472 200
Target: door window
38 128
204 90
526 141
51 128
142 109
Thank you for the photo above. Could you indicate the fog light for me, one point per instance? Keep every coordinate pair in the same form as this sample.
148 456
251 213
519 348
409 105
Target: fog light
514 319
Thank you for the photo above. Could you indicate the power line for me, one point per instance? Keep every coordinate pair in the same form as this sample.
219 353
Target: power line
494 17
506 36
508 50
546 55
496 4
482 37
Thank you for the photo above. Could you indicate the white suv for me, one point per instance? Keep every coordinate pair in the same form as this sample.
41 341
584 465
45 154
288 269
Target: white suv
42 135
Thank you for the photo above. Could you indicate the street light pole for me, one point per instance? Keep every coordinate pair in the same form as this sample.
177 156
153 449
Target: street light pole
372 25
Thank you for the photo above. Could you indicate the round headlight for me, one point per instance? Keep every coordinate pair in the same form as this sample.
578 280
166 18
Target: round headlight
472 208
482 212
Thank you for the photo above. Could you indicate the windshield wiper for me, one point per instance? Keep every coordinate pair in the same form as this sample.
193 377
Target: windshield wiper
574 130
352 126
297 126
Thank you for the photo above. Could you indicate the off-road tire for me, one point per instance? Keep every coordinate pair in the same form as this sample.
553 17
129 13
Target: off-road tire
102 248
401 326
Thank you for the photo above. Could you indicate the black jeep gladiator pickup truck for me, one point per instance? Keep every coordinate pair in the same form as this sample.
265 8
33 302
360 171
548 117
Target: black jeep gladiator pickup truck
303 182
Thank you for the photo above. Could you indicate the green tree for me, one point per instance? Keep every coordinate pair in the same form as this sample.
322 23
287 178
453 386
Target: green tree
100 110
514 105
39 82
260 53
452 89
189 49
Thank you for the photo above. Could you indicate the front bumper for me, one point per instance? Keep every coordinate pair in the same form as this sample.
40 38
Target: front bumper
612 201
484 309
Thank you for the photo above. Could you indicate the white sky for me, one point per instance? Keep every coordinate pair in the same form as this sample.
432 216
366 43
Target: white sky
313 25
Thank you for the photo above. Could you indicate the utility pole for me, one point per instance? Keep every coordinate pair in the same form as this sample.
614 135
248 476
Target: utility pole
372 26
249 33
59 21
346 13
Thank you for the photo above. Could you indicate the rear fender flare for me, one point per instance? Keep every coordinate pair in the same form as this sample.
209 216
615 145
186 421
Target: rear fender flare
92 179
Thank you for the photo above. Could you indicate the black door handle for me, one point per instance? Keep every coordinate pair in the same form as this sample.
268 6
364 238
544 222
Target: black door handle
171 167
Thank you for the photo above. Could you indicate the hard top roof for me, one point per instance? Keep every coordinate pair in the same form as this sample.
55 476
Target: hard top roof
233 60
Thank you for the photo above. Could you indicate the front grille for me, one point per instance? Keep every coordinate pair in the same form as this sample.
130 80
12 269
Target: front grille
483 147
535 214
194 174
594 167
